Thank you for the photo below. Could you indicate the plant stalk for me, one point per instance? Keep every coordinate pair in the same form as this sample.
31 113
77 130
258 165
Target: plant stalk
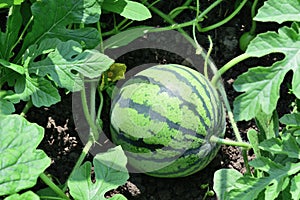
100 38
169 19
83 154
253 12
101 104
185 24
230 142
54 187
20 38
26 108
227 66
174 14
207 57
227 19
93 91
234 127
88 117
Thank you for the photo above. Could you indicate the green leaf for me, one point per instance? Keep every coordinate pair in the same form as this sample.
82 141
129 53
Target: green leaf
295 185
20 162
65 62
29 195
287 146
279 11
248 188
6 107
268 125
60 15
128 9
271 145
125 37
291 119
17 68
110 172
224 179
261 84
273 190
10 37
41 91
9 3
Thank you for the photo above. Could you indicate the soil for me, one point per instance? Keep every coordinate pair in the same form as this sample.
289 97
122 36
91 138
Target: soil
63 145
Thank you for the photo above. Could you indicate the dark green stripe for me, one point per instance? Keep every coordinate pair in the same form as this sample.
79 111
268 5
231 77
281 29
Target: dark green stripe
210 92
208 84
192 168
182 153
187 82
170 93
145 110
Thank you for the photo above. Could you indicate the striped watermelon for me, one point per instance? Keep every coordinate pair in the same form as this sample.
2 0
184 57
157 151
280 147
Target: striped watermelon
163 118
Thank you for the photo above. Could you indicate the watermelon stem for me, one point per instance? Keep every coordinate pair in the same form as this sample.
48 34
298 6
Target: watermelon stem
229 142
235 127
227 66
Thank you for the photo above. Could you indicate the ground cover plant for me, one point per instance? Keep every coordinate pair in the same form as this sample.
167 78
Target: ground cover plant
39 58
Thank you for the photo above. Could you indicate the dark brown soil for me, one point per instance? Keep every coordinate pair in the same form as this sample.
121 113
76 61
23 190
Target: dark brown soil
63 145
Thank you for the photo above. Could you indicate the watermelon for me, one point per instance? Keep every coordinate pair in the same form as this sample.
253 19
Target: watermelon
163 117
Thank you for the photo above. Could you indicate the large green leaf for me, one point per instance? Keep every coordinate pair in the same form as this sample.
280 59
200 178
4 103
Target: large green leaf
110 172
51 19
287 146
10 37
20 162
224 179
279 11
65 62
41 91
248 188
29 195
291 119
261 84
128 9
